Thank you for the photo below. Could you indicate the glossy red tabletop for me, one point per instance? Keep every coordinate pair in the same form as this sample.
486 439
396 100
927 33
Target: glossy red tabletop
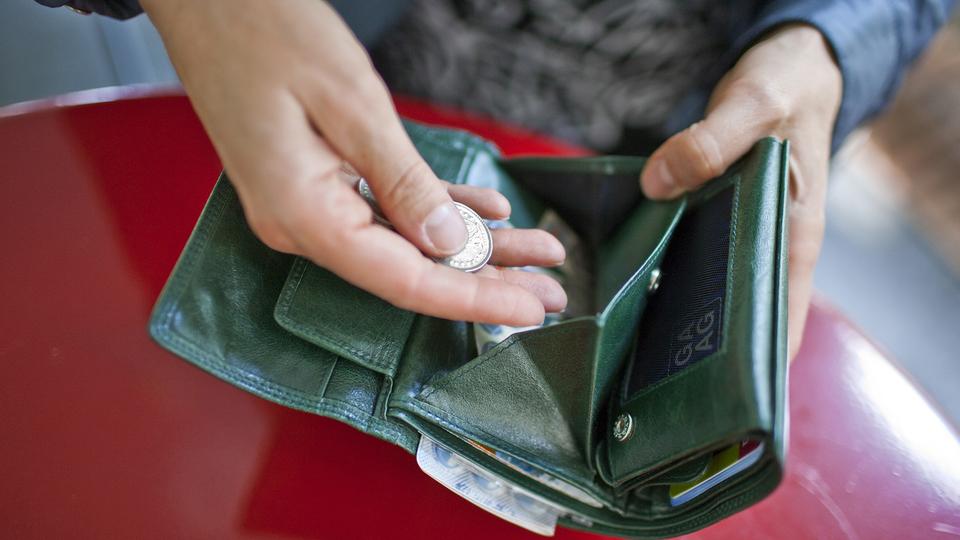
105 435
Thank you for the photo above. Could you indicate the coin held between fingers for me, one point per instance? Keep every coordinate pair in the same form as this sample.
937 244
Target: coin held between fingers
477 249
364 189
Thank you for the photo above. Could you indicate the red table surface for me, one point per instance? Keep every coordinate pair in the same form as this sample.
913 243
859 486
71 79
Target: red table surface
106 435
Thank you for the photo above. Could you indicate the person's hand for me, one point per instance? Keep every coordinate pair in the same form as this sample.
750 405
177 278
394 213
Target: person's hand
789 86
287 95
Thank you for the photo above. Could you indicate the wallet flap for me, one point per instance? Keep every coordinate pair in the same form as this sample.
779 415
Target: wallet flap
325 310
217 312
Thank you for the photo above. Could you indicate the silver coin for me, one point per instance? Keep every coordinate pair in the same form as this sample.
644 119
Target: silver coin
476 251
364 189
479 246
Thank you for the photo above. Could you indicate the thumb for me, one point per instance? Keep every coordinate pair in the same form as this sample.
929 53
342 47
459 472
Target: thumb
414 200
706 149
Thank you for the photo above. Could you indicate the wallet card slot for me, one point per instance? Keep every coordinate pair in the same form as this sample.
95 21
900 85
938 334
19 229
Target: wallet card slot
325 310
685 471
653 500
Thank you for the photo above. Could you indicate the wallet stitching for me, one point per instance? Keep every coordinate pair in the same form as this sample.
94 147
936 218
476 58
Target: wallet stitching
230 373
286 296
732 259
286 300
178 286
203 234
427 392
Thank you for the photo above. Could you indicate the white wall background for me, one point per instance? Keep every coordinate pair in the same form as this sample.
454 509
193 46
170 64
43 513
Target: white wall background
45 52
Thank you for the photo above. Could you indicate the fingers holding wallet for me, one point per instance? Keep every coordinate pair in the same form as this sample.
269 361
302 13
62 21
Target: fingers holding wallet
765 95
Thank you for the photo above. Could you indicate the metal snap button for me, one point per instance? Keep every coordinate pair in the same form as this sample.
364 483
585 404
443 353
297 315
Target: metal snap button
623 427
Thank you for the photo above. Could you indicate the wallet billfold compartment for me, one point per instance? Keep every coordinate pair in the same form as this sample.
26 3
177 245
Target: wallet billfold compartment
682 353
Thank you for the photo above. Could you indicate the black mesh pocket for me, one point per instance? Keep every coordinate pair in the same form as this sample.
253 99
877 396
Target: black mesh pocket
682 323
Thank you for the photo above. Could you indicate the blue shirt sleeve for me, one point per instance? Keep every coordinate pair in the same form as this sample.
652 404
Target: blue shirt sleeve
874 41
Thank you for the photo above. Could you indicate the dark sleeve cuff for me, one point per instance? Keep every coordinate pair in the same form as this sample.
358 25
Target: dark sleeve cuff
873 41
117 9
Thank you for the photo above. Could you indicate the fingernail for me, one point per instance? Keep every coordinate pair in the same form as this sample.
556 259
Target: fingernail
445 229
554 299
663 176
558 254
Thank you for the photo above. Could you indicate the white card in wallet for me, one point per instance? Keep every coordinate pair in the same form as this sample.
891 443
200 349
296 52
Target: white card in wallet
486 490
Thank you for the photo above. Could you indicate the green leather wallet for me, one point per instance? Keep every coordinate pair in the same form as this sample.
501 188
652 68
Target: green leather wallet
683 356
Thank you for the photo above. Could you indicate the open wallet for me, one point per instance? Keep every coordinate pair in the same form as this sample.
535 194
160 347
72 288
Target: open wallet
654 406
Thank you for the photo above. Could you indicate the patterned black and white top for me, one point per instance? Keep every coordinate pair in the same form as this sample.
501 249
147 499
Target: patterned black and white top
590 71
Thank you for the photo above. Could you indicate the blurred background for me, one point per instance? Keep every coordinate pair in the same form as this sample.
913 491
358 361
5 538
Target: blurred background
891 256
